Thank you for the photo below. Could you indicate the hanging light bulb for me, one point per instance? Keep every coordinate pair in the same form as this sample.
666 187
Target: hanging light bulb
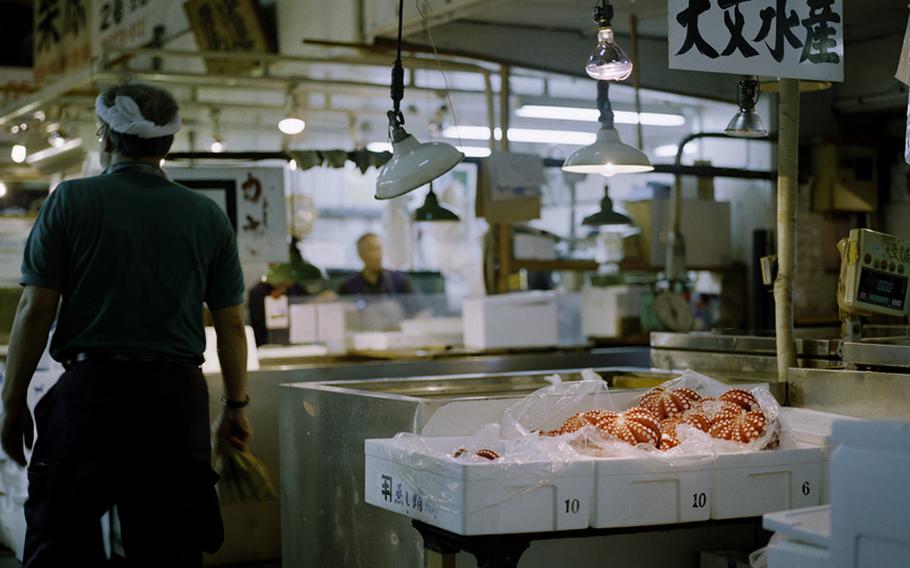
747 123
217 146
292 165
292 124
2 189
18 153
608 62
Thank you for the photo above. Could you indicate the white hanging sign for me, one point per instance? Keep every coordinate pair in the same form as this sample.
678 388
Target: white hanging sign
795 39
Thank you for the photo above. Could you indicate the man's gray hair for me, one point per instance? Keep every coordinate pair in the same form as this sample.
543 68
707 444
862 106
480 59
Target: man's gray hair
156 104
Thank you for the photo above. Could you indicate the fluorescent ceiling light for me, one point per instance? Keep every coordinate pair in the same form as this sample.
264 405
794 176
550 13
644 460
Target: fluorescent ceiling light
469 151
592 115
528 135
669 150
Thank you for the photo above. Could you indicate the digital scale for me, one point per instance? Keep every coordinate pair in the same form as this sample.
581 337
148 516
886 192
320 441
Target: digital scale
874 278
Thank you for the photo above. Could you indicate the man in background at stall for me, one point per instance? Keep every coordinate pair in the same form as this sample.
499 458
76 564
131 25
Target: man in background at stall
130 257
373 280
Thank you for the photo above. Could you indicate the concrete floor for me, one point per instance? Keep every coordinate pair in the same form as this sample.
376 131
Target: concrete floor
8 560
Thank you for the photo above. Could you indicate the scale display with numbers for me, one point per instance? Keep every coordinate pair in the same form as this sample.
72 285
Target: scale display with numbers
875 274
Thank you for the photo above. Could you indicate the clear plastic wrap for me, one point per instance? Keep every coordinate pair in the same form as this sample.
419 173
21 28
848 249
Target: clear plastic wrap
776 432
562 439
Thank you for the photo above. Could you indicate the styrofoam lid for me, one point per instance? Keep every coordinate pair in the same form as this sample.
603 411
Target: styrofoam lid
516 298
812 426
883 436
811 525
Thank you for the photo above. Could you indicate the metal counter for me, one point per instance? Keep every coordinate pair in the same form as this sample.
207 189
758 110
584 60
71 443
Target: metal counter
325 521
865 394
253 531
737 357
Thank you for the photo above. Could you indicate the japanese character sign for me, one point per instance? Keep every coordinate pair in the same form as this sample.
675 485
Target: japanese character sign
62 41
797 39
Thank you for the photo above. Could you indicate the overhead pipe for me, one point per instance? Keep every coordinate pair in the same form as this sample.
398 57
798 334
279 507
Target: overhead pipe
674 267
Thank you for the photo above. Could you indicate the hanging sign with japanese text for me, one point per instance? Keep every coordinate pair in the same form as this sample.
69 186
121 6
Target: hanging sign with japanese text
127 23
795 39
62 38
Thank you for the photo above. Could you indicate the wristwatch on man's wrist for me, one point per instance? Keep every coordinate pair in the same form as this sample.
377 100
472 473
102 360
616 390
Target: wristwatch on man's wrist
235 404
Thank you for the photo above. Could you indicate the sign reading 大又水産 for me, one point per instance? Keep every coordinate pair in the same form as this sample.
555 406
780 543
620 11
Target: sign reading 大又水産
796 39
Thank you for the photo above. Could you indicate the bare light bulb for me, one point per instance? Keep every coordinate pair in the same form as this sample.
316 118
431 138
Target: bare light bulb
18 153
291 125
608 62
217 146
2 189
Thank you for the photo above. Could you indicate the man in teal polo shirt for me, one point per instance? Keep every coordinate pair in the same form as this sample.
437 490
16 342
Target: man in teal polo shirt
130 257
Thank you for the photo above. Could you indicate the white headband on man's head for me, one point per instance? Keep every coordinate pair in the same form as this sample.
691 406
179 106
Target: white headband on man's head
126 118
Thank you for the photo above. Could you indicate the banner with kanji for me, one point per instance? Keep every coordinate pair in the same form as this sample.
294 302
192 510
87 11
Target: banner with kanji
796 39
62 37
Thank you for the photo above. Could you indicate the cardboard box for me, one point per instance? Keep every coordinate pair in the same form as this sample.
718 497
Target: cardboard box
846 178
705 228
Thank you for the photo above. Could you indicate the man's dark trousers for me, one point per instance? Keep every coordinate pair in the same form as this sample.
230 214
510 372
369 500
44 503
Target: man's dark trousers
131 434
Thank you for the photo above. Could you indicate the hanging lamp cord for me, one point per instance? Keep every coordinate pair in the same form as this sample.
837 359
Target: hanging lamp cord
603 103
396 118
603 13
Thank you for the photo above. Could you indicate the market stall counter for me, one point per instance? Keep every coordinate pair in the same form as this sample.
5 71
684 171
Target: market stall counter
253 530
325 515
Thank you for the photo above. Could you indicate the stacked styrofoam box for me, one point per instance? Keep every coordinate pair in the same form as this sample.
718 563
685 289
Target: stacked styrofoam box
750 484
869 497
603 309
638 492
527 319
478 498
814 428
802 538
12 505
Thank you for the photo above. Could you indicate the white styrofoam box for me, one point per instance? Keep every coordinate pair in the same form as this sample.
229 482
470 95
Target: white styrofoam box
392 340
12 523
814 427
632 492
213 365
811 525
304 326
603 309
869 497
526 319
332 322
478 498
750 484
432 326
788 554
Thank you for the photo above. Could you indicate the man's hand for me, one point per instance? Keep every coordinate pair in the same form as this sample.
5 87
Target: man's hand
17 427
233 428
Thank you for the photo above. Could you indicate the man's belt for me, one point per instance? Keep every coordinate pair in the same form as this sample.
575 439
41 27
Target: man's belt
146 358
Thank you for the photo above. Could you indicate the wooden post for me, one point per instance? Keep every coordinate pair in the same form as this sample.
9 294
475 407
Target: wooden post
787 185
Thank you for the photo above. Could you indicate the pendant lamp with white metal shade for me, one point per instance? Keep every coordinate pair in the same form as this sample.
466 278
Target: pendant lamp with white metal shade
413 164
607 155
